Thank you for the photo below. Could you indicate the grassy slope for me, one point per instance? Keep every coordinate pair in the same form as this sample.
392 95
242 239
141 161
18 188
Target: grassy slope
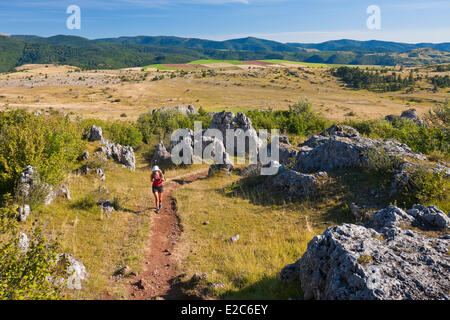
272 234
103 244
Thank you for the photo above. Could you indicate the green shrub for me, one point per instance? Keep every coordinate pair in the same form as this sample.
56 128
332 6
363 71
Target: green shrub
381 164
425 187
25 275
123 132
162 124
418 138
52 144
301 119
86 203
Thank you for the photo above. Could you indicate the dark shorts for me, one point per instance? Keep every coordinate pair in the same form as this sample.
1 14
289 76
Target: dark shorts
157 189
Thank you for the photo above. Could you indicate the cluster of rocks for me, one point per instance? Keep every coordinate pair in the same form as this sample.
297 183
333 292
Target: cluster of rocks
121 154
224 121
382 259
74 271
341 147
30 185
410 114
71 272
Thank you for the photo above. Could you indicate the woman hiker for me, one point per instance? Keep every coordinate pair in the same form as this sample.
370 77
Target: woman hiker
157 187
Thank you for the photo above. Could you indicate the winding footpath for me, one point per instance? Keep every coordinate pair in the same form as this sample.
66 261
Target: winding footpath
158 279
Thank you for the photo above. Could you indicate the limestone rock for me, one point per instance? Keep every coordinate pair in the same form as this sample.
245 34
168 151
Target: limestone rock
95 134
346 150
75 271
161 156
23 212
24 242
380 260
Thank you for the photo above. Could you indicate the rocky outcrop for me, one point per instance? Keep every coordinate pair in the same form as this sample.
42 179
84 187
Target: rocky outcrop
410 114
161 156
95 134
121 154
286 151
227 120
430 217
29 185
295 184
75 271
180 109
23 242
107 207
23 212
383 259
345 149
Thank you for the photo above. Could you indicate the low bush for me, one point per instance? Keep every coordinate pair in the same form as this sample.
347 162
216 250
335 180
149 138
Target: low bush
51 144
25 273
162 124
301 119
425 187
124 132
418 138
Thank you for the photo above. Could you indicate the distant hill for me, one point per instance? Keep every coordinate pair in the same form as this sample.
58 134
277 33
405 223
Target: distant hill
370 46
113 53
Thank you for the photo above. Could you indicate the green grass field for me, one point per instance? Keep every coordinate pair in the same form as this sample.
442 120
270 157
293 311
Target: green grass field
233 62
160 67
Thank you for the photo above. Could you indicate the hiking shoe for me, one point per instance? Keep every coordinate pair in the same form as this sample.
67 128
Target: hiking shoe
160 206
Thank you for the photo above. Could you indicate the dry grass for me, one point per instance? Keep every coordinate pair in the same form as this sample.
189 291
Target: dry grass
270 238
103 244
233 89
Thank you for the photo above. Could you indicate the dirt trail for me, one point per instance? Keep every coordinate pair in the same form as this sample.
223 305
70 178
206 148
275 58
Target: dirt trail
161 267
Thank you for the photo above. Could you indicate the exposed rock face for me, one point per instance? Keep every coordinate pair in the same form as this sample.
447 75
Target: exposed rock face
124 155
23 212
378 260
63 191
107 207
95 134
296 184
430 217
24 242
161 156
286 151
345 149
101 174
341 130
185 111
75 270
227 120
410 114
29 184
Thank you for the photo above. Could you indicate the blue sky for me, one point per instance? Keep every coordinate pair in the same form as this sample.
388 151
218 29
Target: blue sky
281 20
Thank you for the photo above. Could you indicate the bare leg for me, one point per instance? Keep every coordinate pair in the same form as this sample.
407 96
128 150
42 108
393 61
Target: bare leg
160 198
156 200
